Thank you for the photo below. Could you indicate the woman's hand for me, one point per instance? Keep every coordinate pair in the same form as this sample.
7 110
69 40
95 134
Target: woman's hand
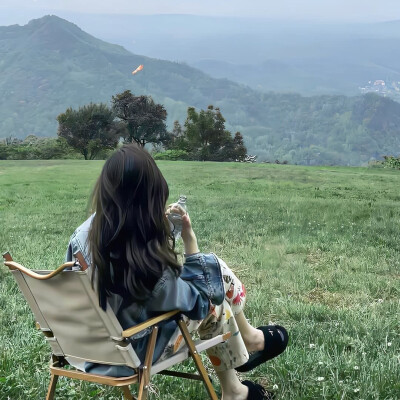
188 235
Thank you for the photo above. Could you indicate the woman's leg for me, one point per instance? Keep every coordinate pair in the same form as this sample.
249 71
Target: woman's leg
265 342
229 317
235 295
227 355
253 338
232 388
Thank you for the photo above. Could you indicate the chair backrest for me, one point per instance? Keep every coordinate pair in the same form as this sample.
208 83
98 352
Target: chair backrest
67 310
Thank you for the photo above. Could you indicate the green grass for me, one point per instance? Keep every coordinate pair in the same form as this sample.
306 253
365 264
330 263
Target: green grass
317 247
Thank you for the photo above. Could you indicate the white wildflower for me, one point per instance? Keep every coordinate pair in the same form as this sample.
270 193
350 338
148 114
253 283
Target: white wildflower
356 367
312 346
320 379
380 300
389 344
275 387
356 390
320 363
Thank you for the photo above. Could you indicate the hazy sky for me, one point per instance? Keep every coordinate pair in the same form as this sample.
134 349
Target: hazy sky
327 10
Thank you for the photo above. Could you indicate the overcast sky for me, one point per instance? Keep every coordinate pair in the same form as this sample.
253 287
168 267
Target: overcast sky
327 10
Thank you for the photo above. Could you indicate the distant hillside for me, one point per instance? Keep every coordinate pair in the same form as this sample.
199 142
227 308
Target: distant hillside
51 64
314 65
330 130
310 58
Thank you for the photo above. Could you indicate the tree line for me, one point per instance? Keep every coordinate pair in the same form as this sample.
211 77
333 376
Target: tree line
94 128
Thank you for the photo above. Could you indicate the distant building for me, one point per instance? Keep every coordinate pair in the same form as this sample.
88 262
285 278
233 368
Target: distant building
379 86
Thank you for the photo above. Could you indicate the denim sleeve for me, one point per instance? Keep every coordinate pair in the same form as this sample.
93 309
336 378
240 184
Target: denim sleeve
204 272
173 293
79 242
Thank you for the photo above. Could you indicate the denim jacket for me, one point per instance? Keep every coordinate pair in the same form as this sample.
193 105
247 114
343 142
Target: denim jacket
199 284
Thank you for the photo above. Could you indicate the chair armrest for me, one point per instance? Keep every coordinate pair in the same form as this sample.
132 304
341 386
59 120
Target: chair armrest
12 265
150 322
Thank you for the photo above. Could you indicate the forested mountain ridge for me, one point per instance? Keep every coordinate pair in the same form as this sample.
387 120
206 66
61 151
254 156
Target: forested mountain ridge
330 130
309 57
51 64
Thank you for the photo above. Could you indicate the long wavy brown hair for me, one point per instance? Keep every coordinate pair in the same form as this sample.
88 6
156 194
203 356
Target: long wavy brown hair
130 238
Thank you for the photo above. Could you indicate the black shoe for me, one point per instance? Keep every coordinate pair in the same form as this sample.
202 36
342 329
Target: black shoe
276 339
257 392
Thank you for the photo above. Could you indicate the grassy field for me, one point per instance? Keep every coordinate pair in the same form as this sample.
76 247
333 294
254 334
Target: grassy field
318 249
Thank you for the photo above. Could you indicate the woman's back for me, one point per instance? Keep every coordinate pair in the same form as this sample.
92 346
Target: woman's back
129 238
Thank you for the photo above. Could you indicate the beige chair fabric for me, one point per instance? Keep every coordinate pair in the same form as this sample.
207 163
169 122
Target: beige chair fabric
67 306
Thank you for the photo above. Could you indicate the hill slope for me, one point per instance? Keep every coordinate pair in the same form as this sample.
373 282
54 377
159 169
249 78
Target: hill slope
51 64
308 57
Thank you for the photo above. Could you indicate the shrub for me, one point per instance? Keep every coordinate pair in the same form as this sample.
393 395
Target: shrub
36 148
172 155
391 162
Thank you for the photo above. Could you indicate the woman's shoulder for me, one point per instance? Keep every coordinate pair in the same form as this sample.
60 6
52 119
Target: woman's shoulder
78 241
168 275
85 226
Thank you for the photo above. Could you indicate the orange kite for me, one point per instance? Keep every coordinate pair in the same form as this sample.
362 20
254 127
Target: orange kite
139 68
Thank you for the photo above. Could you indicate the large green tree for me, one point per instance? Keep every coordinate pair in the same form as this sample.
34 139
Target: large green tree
90 129
144 119
205 137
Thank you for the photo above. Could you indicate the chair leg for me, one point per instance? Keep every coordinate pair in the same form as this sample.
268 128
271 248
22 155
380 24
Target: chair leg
143 388
52 387
197 360
127 393
144 380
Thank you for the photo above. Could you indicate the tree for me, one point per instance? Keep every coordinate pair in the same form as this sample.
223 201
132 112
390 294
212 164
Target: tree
206 128
207 138
235 150
144 119
177 139
89 129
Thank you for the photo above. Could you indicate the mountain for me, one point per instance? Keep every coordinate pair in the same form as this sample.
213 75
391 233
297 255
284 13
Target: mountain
324 66
50 64
315 57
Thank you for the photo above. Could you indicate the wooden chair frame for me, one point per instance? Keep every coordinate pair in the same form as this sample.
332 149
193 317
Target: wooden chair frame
144 372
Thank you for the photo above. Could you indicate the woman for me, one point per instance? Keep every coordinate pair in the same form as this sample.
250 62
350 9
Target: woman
128 242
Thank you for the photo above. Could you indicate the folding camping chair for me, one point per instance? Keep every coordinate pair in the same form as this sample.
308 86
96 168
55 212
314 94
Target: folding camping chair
67 312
